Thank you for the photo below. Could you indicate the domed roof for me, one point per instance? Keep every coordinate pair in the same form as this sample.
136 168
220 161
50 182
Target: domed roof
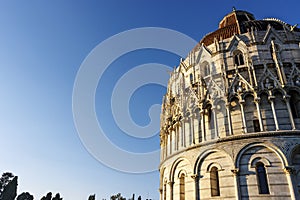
239 22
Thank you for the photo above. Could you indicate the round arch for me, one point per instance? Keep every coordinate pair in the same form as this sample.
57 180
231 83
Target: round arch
278 90
272 147
203 155
174 166
246 94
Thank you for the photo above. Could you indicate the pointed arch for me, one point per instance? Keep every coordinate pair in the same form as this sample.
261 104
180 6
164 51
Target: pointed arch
208 120
236 43
221 117
281 110
236 114
203 54
271 33
205 69
266 112
251 115
238 58
294 102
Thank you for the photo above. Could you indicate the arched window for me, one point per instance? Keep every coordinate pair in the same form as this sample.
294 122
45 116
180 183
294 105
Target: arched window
214 182
191 78
205 68
239 58
182 187
256 125
262 181
295 104
210 120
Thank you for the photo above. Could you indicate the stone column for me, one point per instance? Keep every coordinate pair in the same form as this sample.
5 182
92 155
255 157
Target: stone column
243 116
187 131
170 142
192 129
183 132
213 109
196 128
287 101
180 135
173 146
253 75
235 173
271 99
195 177
203 125
164 148
257 100
290 171
229 118
171 184
177 136
165 144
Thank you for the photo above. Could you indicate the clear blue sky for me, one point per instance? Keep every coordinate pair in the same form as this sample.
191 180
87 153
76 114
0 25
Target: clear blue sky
42 45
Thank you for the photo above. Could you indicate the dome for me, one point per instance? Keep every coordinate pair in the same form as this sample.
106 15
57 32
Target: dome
239 22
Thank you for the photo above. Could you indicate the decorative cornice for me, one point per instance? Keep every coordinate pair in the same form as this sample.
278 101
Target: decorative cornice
234 138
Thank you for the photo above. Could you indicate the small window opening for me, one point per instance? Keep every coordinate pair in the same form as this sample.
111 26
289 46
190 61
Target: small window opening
262 180
239 59
214 182
182 187
256 125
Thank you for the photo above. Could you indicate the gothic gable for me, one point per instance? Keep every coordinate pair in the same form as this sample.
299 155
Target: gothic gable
271 34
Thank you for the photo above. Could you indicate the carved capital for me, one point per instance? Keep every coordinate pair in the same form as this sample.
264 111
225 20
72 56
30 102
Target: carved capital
286 98
242 102
271 98
171 183
170 129
235 171
289 170
160 190
177 124
195 176
257 100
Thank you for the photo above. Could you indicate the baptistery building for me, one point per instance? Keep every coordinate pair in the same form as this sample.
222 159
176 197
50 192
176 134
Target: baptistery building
230 120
